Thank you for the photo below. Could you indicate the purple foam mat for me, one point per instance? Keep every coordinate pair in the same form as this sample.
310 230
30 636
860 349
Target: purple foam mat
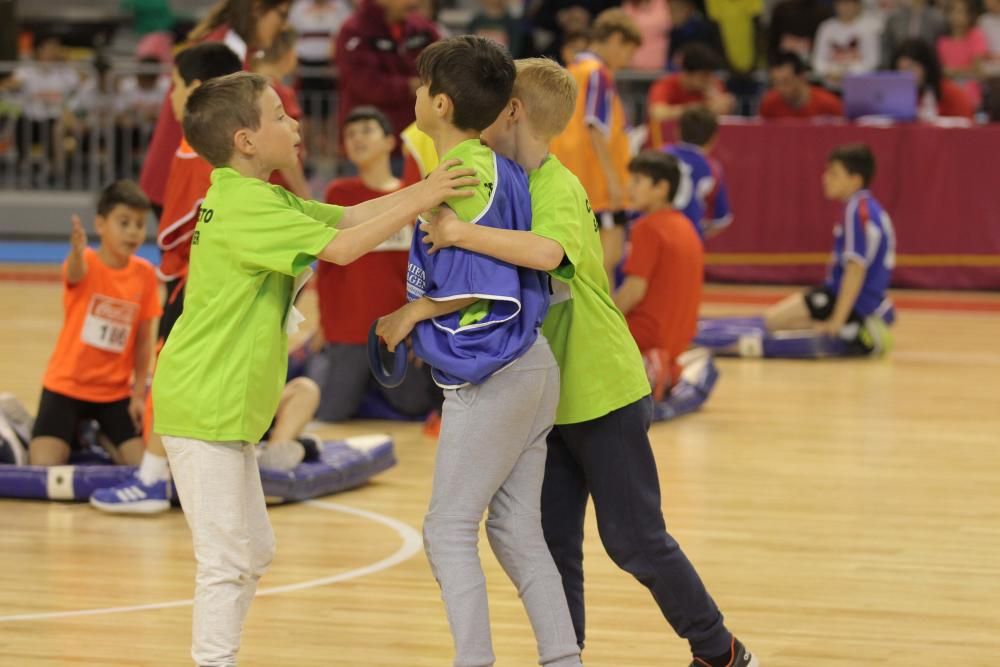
343 465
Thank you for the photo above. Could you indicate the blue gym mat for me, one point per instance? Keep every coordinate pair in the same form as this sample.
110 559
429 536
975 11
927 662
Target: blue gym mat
54 252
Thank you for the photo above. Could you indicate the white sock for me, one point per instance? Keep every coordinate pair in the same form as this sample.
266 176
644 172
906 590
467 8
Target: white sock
153 469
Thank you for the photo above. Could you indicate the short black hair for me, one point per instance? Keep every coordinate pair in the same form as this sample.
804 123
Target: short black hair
476 73
206 61
921 52
358 114
857 159
125 193
658 166
700 58
790 59
698 125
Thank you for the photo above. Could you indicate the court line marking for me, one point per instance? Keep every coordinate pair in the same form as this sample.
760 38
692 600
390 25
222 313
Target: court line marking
412 544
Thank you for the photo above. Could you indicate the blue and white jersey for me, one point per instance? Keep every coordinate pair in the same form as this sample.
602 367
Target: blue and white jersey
469 346
701 195
865 235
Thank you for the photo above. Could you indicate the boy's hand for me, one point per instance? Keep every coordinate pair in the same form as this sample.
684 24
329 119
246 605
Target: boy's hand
136 410
395 327
78 237
443 230
447 182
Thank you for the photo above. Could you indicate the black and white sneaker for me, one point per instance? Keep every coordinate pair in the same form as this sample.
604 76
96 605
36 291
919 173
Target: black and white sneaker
12 450
18 417
739 656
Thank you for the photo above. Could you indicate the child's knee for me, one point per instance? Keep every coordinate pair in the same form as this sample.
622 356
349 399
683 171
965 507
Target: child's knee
48 451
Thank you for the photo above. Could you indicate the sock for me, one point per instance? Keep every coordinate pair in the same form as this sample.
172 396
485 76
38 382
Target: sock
724 660
153 469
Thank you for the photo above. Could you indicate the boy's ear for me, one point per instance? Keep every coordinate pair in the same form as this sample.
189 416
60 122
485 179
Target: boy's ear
100 222
443 106
514 110
391 142
243 142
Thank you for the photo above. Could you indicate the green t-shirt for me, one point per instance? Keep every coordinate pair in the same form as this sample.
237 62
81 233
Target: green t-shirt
221 372
599 362
474 155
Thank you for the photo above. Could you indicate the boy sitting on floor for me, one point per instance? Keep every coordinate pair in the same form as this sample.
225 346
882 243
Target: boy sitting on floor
851 303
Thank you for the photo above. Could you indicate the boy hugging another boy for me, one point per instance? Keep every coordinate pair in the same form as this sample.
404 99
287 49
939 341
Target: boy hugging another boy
475 321
221 372
101 361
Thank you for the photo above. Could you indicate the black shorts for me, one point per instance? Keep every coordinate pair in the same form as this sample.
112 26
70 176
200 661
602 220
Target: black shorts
820 301
173 305
60 416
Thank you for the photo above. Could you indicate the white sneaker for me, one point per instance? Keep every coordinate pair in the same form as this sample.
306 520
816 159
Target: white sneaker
281 456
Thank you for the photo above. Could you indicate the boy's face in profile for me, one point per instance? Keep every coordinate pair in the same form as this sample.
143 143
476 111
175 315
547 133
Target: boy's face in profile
122 230
277 140
646 195
619 52
838 183
180 93
423 108
365 142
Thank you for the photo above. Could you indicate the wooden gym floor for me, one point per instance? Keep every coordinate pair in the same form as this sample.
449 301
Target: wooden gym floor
841 513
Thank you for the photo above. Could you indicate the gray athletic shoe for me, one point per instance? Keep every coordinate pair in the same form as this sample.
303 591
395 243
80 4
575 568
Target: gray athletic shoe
12 450
739 657
282 456
17 416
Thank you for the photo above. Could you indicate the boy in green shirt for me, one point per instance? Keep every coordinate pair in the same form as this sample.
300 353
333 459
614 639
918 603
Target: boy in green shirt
599 446
221 372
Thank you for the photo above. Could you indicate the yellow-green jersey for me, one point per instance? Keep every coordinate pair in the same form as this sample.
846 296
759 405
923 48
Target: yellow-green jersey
220 375
599 362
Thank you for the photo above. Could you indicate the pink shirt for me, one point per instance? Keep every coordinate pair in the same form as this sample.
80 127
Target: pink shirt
962 52
653 19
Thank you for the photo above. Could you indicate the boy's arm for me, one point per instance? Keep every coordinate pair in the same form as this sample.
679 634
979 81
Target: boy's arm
850 287
350 244
356 215
631 293
76 266
615 188
396 326
525 249
143 356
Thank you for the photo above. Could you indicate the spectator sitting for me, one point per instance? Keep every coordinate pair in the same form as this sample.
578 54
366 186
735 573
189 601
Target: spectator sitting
939 97
701 194
353 296
964 49
793 28
376 54
847 43
652 17
791 95
689 26
496 22
695 85
573 44
276 63
915 19
989 24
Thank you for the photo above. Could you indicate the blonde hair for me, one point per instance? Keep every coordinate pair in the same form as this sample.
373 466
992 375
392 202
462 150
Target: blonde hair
615 21
548 92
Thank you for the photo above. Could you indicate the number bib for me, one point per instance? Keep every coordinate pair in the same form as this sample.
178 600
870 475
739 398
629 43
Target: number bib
109 323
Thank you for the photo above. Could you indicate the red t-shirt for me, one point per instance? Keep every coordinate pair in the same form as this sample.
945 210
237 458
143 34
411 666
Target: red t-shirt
954 101
167 133
820 103
669 90
189 180
352 297
667 253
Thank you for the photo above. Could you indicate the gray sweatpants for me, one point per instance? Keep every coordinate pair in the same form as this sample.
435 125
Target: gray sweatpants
491 454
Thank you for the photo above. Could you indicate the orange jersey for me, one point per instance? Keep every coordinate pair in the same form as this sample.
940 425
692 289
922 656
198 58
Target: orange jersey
95 354
597 105
667 252
190 176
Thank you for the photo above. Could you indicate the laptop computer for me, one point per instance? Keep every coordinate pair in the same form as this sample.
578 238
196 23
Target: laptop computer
889 94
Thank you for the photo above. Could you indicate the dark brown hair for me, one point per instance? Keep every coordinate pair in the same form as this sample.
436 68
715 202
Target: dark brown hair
124 193
658 166
857 159
240 15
